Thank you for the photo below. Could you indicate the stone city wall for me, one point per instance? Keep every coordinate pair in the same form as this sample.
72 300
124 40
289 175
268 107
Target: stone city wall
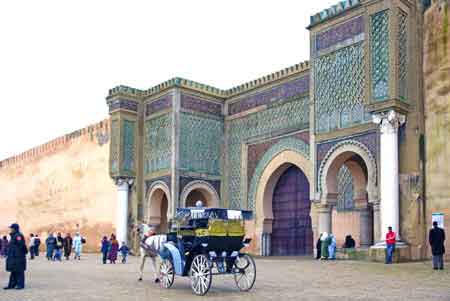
60 186
437 112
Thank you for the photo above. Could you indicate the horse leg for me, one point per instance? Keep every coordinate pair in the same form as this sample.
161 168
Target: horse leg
141 269
155 270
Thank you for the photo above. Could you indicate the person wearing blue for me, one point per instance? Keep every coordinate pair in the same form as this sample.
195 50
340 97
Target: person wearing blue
50 243
104 249
332 247
77 246
16 262
124 250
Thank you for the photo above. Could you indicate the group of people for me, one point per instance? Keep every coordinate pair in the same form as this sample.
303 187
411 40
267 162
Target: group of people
57 245
326 246
110 249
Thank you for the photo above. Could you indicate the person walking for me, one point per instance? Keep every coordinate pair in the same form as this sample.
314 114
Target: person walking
58 247
104 249
319 247
50 243
37 244
324 242
436 237
16 260
4 246
67 245
390 245
77 246
113 249
124 250
31 246
332 247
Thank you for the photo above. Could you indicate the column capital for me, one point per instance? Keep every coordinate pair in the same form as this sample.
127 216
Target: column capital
323 208
389 121
119 181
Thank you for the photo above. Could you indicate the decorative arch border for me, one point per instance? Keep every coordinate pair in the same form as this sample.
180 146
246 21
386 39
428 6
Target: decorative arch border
349 146
153 187
287 144
200 184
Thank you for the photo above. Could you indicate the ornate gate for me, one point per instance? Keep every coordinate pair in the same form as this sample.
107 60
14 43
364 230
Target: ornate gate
292 230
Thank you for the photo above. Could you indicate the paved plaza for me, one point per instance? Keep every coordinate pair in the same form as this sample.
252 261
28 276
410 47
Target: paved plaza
277 278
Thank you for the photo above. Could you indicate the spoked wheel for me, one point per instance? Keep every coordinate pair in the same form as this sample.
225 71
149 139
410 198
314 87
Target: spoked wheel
166 273
200 275
244 272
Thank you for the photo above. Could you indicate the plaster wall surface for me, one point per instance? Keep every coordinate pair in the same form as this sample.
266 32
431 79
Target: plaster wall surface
59 185
437 112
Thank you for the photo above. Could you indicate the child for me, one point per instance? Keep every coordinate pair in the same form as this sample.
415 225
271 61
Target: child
124 252
105 248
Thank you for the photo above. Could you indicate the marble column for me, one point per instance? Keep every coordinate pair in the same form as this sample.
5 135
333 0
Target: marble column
123 186
376 221
389 123
324 217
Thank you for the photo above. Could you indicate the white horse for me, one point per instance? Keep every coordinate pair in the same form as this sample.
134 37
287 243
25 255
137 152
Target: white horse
150 245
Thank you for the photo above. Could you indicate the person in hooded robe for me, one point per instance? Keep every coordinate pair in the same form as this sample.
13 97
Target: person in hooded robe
332 247
50 243
319 247
67 245
77 246
324 246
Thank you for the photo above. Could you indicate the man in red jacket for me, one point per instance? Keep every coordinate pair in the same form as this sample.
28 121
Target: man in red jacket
390 245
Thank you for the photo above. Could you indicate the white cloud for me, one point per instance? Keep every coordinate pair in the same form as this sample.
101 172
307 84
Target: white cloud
59 58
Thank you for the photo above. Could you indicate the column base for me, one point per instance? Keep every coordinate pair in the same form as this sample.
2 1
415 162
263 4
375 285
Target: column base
402 253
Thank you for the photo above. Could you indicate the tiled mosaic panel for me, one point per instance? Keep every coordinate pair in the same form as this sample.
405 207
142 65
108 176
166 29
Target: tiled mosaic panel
345 189
159 104
157 143
256 151
339 33
114 147
402 53
284 144
126 104
275 94
290 115
196 104
339 89
129 145
200 144
148 183
186 180
379 48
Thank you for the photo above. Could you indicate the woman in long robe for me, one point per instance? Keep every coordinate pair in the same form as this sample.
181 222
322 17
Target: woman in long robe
332 247
67 245
324 246
77 246
114 249
319 247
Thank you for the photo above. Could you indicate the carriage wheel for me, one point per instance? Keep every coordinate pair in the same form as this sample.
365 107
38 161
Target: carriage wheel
244 272
166 273
201 275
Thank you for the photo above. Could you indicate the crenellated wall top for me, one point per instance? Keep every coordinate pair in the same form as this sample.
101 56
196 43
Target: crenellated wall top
98 131
136 94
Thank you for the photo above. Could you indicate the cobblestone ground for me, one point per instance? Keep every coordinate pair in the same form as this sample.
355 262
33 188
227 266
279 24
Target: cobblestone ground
277 278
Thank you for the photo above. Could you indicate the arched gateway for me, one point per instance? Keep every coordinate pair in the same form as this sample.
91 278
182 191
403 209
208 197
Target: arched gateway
282 198
157 205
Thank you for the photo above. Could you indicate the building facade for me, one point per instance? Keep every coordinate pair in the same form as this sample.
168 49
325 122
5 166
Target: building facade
351 142
330 145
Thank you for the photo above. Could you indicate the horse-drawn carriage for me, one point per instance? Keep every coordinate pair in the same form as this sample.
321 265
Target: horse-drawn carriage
203 242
